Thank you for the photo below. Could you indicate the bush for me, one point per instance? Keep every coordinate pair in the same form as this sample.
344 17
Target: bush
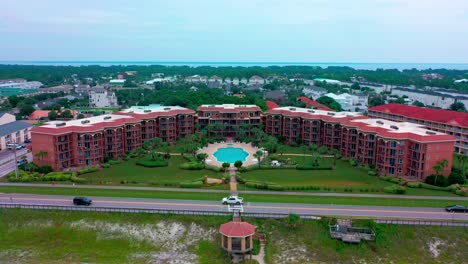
77 179
105 165
152 163
395 189
433 187
441 180
113 162
275 187
310 167
393 180
372 173
45 169
193 184
414 184
239 179
455 178
213 168
126 158
352 163
86 170
192 165
461 192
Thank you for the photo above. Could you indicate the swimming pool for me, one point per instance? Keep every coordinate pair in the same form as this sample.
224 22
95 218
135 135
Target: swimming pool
230 154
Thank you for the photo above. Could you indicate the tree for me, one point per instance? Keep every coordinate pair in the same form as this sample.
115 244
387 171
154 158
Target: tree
41 154
202 157
456 178
375 101
330 102
458 106
258 155
417 103
26 110
238 164
461 161
439 168
322 150
225 166
80 116
355 86
52 115
281 149
66 114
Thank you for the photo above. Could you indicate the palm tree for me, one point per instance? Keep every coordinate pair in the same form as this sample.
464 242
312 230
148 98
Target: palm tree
439 168
202 157
41 154
225 166
259 155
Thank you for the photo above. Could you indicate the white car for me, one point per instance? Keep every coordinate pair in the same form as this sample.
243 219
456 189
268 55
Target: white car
233 200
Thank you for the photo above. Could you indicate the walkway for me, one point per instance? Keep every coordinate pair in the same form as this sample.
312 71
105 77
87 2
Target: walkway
233 180
389 196
260 258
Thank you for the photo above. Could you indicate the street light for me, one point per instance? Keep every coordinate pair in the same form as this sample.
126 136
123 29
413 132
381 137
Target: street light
16 160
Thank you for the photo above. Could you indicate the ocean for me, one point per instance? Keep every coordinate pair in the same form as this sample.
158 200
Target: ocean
355 65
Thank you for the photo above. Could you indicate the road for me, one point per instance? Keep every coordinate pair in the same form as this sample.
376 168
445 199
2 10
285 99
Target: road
7 160
379 212
195 190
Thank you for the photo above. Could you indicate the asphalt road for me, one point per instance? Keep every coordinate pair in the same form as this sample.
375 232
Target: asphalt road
9 165
380 212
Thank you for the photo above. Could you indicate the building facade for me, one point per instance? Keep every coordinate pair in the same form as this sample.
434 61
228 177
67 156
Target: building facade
228 120
445 121
12 131
87 142
399 149
102 98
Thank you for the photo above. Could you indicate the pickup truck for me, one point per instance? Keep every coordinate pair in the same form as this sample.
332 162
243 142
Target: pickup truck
233 200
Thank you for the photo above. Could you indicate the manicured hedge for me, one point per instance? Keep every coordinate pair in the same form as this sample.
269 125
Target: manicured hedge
433 187
414 184
192 165
310 167
86 170
152 163
395 189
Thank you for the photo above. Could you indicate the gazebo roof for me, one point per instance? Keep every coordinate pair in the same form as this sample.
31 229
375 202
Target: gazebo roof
237 229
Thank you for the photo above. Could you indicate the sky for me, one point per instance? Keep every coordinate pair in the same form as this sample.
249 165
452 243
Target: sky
398 31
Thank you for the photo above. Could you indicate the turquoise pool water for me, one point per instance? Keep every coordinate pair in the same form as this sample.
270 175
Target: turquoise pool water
230 155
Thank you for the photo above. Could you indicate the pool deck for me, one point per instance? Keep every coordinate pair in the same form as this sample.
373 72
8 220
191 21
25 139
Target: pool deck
212 148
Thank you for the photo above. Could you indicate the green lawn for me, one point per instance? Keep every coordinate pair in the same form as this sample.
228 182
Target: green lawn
344 176
35 236
219 196
128 171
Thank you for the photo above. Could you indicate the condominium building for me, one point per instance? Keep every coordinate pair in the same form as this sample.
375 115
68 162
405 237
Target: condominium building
228 120
395 148
86 142
102 98
449 122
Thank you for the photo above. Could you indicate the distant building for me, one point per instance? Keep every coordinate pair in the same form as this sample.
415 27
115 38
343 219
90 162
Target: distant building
215 79
329 81
244 80
56 89
349 102
239 95
276 95
228 80
21 84
16 80
44 114
194 88
12 131
117 81
461 81
256 80
431 98
235 81
314 92
432 76
83 89
313 104
102 98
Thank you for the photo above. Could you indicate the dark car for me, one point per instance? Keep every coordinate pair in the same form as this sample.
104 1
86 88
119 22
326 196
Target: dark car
82 201
27 141
457 209
22 162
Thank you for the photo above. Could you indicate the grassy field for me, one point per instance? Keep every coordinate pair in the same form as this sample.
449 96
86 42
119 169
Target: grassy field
128 171
219 196
28 236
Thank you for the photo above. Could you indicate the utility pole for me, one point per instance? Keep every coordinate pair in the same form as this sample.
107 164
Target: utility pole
16 160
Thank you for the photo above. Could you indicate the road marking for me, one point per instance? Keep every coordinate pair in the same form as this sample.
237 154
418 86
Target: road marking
251 206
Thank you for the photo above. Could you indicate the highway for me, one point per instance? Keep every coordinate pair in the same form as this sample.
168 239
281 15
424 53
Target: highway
380 212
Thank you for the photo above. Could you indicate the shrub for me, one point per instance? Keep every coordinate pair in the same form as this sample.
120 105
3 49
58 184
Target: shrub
152 163
414 184
45 169
372 173
194 184
77 179
395 189
393 179
105 165
275 187
352 163
239 179
310 167
86 170
213 168
455 178
126 158
433 187
461 192
437 180
192 165
113 162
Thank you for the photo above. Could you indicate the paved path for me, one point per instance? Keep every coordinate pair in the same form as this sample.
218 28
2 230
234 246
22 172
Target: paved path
10 165
233 180
109 187
379 212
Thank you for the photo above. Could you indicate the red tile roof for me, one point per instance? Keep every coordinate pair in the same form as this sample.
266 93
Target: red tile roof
38 114
271 104
427 114
311 103
237 229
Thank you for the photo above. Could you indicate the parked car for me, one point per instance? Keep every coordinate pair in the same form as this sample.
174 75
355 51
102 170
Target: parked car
82 201
27 141
233 200
13 146
457 209
22 162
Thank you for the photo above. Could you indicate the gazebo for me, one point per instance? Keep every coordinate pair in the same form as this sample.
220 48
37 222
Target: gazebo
237 237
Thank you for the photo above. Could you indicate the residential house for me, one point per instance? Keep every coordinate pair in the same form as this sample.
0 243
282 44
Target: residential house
256 80
314 92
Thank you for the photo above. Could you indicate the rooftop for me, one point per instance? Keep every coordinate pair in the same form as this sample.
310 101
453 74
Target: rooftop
397 127
314 104
237 229
228 107
13 127
85 122
427 114
153 108
304 112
